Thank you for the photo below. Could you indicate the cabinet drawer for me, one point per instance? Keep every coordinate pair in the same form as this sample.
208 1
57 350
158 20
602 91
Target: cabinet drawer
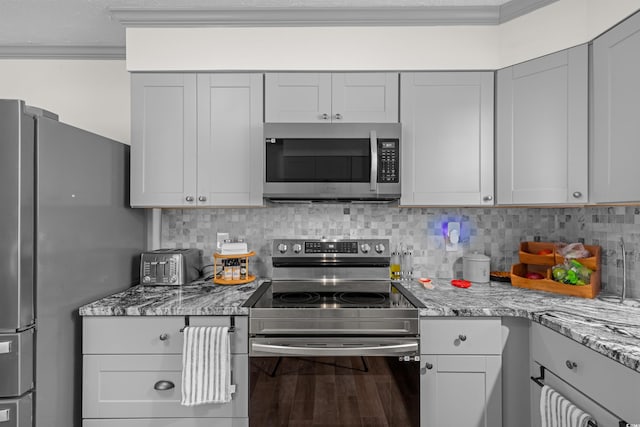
152 334
460 336
122 386
169 422
611 384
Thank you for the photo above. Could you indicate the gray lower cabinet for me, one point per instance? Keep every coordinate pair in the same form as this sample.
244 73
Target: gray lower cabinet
125 357
196 139
605 389
331 97
542 130
447 138
616 102
460 372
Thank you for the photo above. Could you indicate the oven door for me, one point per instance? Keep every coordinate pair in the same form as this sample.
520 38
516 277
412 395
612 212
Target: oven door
307 161
332 346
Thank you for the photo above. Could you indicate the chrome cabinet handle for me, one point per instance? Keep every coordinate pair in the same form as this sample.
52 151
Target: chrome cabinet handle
189 198
428 365
5 415
571 364
163 385
577 194
338 116
164 336
462 337
5 347
325 116
202 198
487 198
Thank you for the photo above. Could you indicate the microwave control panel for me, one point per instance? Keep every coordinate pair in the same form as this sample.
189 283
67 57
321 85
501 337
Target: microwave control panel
388 160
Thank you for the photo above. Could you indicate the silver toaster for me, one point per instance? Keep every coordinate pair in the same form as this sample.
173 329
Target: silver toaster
170 266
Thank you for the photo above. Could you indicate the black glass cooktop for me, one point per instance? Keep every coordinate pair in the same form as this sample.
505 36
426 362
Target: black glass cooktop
319 299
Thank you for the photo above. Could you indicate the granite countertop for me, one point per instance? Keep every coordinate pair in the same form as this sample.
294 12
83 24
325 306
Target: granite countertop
196 299
601 324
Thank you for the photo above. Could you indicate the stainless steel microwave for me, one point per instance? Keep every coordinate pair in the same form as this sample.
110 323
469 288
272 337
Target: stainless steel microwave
339 161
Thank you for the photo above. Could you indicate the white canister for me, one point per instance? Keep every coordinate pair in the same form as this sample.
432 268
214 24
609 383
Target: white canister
475 268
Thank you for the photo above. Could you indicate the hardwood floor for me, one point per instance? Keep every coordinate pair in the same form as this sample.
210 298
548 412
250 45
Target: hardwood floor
334 392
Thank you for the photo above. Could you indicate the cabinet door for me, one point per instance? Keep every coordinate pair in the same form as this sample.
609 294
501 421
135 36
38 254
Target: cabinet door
364 97
616 102
542 130
163 139
230 148
447 137
460 391
298 97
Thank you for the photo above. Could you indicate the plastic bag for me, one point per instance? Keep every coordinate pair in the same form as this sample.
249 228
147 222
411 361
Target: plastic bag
571 273
572 250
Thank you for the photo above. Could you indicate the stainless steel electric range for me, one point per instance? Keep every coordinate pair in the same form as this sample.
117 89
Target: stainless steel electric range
333 298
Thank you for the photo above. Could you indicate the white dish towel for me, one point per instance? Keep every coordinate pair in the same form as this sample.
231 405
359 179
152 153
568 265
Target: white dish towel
206 365
557 411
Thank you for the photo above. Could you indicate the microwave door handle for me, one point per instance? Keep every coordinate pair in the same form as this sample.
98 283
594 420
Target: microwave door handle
373 144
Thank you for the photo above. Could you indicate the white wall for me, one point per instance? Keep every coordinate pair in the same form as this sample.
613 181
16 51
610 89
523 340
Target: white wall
560 25
93 95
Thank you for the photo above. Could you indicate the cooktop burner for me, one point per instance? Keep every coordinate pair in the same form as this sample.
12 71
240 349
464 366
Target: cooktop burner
361 298
298 298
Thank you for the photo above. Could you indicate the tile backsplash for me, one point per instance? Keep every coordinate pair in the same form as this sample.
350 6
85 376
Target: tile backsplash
496 232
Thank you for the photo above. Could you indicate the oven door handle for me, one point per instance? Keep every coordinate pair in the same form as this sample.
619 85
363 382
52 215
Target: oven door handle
378 350
373 145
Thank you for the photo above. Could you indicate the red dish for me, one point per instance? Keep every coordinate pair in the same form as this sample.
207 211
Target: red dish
460 283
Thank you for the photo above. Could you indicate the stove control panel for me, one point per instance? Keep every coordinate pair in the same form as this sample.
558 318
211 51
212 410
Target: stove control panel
331 247
348 248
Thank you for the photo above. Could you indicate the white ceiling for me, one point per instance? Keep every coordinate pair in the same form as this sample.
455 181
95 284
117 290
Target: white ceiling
69 23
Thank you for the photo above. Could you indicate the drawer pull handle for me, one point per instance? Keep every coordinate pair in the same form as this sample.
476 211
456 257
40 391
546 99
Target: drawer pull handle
570 364
428 365
462 337
5 415
163 385
164 337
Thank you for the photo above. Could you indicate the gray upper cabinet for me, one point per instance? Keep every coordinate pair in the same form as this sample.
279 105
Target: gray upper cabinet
447 138
331 97
542 130
163 139
230 148
616 124
196 140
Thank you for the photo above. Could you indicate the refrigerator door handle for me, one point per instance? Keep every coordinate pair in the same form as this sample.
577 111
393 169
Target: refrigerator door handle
5 415
5 348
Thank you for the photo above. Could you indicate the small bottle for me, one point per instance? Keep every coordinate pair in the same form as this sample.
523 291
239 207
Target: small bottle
235 269
243 268
395 265
407 265
228 269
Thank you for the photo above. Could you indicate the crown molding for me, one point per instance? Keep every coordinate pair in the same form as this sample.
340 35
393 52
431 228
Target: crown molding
29 51
516 8
300 17
325 16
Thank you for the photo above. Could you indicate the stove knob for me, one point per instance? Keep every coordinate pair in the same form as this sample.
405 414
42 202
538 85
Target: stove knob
365 248
282 248
297 248
380 248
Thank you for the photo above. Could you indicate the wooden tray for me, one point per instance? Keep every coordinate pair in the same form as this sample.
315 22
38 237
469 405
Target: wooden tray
519 280
592 263
528 253
218 263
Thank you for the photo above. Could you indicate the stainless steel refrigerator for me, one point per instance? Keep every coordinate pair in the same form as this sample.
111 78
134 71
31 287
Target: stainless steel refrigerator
67 237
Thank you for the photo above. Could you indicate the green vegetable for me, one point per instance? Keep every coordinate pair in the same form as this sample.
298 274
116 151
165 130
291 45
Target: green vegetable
559 273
